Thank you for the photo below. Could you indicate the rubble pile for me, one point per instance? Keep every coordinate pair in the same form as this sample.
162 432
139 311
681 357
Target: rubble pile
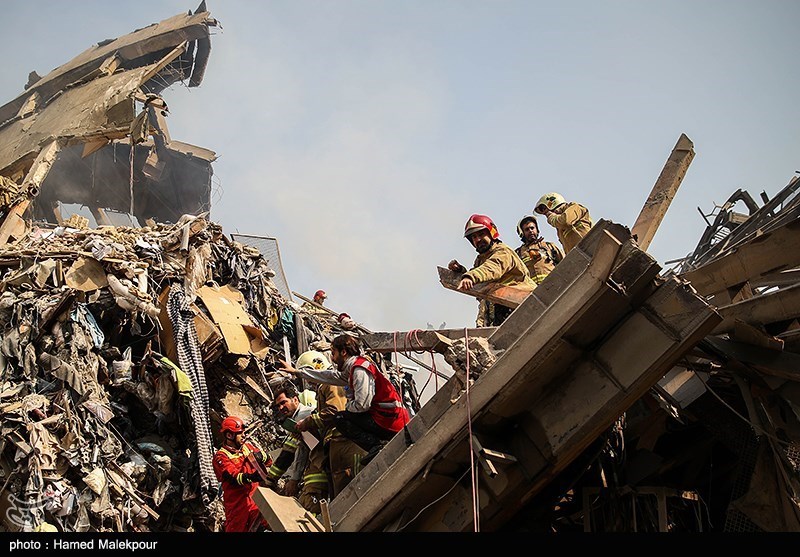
117 365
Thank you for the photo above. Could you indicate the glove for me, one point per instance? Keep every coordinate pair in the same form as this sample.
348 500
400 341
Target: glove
253 477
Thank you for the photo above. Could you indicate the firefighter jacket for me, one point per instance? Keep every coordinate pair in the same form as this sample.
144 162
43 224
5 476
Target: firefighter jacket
502 265
330 400
572 222
293 456
234 469
540 257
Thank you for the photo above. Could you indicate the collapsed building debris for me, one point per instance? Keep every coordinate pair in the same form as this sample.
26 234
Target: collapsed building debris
616 397
123 347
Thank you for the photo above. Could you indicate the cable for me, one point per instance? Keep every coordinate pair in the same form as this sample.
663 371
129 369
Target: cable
757 428
475 507
434 501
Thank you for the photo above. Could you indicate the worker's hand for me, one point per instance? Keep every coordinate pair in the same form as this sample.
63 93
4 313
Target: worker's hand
290 488
253 477
303 425
466 284
456 267
287 367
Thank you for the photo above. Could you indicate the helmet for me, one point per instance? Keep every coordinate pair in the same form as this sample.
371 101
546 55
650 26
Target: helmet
521 223
550 200
313 359
232 424
477 223
320 294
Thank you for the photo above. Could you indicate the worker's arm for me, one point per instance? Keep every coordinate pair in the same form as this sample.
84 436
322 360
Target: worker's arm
230 471
571 215
330 401
329 376
363 391
493 268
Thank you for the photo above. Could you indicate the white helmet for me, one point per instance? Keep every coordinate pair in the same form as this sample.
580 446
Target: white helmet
550 201
313 360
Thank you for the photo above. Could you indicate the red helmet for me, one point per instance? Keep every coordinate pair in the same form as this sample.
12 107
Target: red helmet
320 294
232 424
480 222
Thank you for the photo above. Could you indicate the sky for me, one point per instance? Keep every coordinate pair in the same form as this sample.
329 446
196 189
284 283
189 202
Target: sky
362 134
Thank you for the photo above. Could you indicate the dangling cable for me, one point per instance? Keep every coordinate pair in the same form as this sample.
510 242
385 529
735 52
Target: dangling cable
473 469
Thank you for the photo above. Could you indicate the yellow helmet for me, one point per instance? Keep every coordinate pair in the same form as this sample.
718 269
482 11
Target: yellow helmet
550 201
313 359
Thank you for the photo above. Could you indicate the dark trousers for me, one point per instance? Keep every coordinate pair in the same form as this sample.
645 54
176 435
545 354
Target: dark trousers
360 428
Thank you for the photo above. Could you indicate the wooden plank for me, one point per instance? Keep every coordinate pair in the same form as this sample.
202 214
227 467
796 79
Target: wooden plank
509 296
663 192
404 341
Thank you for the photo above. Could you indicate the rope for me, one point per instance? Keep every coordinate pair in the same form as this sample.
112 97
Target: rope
413 334
473 469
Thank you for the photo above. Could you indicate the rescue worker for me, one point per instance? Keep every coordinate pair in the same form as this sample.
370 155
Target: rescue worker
336 459
293 456
240 466
319 298
374 412
496 262
539 256
571 220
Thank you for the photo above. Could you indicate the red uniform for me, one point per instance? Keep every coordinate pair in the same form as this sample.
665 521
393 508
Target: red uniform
233 469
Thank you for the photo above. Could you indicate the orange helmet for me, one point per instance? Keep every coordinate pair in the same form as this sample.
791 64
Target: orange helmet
232 424
477 223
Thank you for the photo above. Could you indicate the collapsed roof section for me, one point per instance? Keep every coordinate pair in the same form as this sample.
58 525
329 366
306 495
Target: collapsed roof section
75 136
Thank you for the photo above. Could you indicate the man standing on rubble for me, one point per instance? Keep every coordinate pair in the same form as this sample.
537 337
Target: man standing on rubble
539 256
374 412
571 220
496 262
240 465
293 456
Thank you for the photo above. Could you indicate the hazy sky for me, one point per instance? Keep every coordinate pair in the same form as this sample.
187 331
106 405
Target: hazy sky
362 134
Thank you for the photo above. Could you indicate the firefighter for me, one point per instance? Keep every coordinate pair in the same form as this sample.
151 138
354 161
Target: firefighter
496 262
240 466
320 297
374 412
571 220
539 256
336 459
293 456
